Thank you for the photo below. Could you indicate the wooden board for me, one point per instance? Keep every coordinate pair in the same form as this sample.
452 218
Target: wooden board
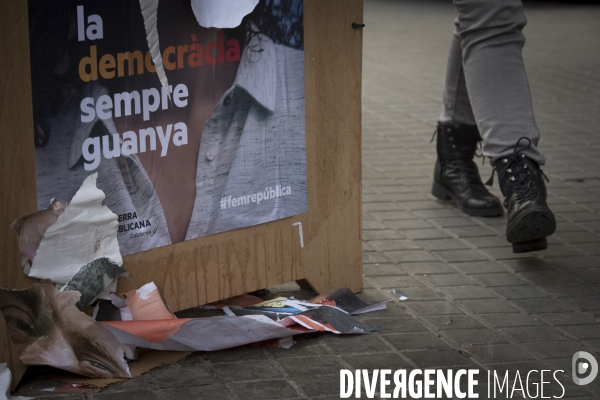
227 264
17 186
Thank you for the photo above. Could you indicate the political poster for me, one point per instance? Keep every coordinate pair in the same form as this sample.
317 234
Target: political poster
193 120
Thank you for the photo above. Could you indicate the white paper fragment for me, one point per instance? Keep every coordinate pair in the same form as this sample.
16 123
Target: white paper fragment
222 13
228 312
84 232
149 12
401 295
26 265
5 379
126 314
374 307
145 290
286 342
118 301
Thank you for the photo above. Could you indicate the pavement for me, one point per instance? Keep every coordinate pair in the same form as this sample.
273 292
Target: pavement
474 303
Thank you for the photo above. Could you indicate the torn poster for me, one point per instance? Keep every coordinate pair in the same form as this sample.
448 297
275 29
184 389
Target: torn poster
222 332
215 143
47 328
92 279
149 10
206 334
85 231
222 13
345 299
271 319
146 303
31 228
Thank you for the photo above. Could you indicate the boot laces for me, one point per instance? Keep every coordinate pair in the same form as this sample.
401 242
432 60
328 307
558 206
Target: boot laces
463 160
524 188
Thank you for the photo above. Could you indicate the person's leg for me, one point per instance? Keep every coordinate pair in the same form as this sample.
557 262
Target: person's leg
491 39
455 175
456 108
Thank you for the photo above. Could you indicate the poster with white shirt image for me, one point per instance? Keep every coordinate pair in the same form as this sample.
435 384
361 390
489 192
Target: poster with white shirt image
218 144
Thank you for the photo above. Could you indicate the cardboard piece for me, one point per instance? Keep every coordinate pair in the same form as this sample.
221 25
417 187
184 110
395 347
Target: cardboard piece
147 361
214 267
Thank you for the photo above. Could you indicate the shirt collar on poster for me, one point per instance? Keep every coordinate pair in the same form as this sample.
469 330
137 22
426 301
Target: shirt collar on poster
256 75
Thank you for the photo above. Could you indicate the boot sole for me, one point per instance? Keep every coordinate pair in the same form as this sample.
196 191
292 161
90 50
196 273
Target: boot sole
530 231
530 245
443 194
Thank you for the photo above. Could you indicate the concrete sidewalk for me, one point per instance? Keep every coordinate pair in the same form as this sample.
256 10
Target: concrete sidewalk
474 304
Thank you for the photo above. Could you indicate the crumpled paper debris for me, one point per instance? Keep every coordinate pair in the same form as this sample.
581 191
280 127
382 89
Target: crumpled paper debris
85 231
47 328
92 278
146 303
264 320
31 228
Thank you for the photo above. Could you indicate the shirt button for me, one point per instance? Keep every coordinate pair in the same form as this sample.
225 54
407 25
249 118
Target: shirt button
210 155
227 101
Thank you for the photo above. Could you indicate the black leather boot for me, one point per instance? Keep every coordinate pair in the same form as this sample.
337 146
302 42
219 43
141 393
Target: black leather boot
456 176
529 220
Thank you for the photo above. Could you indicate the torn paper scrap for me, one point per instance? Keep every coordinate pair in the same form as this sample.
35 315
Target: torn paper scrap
113 309
286 342
331 319
106 311
278 302
47 329
401 295
222 332
31 228
5 381
222 13
276 309
146 303
345 299
110 288
149 12
92 278
272 319
85 231
199 334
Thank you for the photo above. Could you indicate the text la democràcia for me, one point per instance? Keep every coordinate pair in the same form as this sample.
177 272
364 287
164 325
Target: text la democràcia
150 100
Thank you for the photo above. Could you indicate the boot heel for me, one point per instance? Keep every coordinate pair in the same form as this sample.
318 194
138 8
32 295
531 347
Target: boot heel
438 191
530 245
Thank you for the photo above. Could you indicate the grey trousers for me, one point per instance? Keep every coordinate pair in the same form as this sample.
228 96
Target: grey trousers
485 82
